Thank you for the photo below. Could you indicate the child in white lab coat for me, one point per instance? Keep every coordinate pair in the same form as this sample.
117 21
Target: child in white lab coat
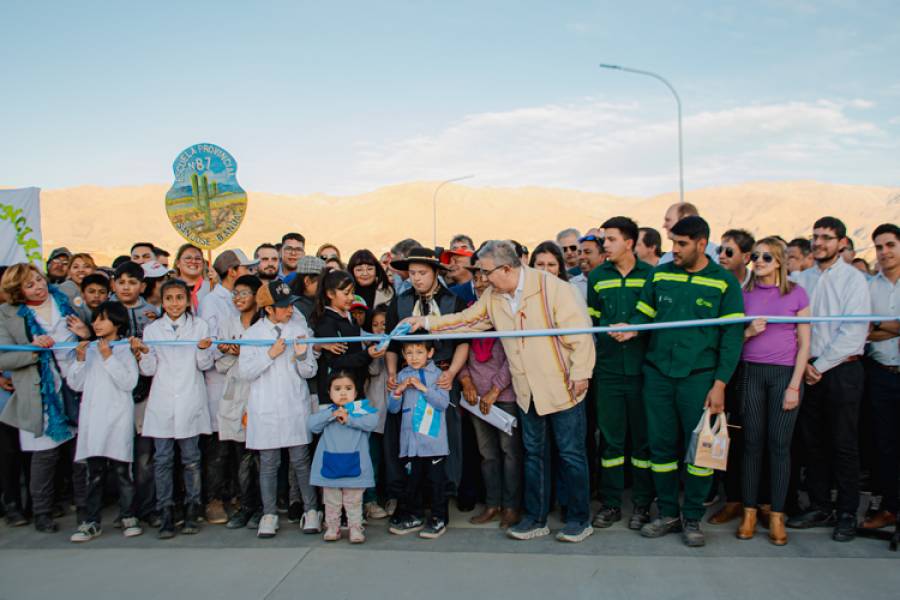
177 409
106 375
280 403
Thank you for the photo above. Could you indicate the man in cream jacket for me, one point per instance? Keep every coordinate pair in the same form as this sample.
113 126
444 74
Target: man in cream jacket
550 376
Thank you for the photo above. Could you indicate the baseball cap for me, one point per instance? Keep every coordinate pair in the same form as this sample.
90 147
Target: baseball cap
232 258
310 265
57 252
275 293
447 254
359 302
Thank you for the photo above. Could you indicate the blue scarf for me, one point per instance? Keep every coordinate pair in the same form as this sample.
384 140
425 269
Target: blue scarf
57 424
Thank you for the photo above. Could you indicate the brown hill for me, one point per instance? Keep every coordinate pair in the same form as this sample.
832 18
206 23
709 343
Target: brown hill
106 221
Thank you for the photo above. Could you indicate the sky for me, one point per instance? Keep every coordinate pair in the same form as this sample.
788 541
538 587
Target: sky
345 97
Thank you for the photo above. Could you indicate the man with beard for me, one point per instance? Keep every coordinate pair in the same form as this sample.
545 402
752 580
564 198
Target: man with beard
828 424
267 268
685 369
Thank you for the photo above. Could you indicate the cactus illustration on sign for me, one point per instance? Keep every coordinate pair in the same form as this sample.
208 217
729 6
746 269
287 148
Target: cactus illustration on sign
202 194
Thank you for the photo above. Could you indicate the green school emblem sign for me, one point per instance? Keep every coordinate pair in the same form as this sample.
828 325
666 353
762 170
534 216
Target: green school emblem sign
205 204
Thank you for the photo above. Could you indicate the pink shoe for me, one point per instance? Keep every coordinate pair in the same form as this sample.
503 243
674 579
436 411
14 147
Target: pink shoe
357 536
333 533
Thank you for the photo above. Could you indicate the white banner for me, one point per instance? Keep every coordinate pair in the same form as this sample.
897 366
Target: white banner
20 226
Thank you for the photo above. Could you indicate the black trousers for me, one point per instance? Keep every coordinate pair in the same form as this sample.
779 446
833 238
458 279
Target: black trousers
394 469
829 432
144 501
97 467
214 462
734 408
432 469
883 388
12 467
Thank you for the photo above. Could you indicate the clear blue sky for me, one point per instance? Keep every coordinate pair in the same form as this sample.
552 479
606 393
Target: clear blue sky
344 97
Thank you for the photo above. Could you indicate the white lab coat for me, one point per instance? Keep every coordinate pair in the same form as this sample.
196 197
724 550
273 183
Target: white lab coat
106 417
233 404
279 402
177 406
216 308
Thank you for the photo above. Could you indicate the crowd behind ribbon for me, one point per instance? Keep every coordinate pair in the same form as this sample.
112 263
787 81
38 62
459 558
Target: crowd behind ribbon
180 425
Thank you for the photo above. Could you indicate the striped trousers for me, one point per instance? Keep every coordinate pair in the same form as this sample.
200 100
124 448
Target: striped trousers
767 428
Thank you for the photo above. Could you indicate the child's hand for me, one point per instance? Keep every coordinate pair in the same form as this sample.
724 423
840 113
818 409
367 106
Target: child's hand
299 348
414 381
103 347
43 341
341 415
7 384
78 327
204 343
81 350
375 353
277 348
138 347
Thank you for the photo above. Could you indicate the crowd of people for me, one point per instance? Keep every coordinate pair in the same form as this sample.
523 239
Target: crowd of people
193 395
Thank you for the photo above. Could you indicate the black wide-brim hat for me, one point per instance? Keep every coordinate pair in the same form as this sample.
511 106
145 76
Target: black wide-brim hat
422 256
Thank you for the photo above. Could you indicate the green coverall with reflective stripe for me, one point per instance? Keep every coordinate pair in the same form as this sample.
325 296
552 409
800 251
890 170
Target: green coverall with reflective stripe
680 367
612 298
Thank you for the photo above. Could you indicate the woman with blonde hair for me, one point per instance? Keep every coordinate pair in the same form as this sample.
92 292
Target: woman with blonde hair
774 359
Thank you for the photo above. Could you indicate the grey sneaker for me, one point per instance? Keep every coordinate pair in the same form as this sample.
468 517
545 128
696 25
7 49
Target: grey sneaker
606 516
268 526
435 529
660 526
574 534
86 532
691 534
131 527
527 529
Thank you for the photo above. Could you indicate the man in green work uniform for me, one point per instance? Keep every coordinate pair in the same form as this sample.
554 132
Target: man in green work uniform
613 291
685 369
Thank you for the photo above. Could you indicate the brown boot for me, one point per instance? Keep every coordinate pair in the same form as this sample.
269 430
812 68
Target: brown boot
777 533
215 513
729 512
510 517
489 514
748 524
763 514
882 518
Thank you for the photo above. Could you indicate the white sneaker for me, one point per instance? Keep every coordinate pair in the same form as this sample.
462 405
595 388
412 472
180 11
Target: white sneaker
311 522
131 527
86 532
268 526
373 511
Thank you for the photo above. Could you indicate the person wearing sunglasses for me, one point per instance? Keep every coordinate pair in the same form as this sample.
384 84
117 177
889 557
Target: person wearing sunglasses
734 255
773 363
567 240
828 424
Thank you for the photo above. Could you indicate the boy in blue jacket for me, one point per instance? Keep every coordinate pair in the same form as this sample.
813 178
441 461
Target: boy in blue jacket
423 442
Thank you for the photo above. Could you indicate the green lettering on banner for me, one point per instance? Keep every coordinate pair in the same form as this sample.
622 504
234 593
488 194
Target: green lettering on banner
29 246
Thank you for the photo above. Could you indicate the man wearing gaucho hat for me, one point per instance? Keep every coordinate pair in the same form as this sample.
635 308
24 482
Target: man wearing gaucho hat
427 296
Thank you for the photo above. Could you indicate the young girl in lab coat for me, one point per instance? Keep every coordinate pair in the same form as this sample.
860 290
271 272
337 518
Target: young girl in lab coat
106 375
279 403
177 408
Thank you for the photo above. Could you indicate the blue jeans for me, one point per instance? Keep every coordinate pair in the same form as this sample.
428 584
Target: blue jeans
568 429
163 467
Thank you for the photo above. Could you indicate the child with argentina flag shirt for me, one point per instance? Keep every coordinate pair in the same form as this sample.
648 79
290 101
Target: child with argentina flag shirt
342 465
423 441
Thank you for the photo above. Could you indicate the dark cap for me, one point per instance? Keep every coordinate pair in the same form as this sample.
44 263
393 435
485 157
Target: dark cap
275 293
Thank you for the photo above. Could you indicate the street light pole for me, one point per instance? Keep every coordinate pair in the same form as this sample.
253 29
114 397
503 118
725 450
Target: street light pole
677 103
434 201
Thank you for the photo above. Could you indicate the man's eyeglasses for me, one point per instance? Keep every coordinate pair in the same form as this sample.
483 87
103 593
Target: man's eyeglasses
291 249
487 273
242 294
727 251
765 256
572 248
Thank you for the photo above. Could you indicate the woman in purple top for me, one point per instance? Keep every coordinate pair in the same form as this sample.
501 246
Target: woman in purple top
774 359
486 381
